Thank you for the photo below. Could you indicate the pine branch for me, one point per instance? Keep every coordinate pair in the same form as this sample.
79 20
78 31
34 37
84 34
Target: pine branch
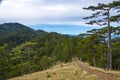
115 18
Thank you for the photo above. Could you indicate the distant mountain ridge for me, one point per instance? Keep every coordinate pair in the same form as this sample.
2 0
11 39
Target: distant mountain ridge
8 28
62 28
16 33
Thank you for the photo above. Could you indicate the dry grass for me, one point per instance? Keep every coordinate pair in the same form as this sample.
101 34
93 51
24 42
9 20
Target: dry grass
102 74
101 69
69 71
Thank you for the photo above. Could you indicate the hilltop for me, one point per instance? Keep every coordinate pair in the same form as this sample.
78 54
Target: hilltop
15 34
76 70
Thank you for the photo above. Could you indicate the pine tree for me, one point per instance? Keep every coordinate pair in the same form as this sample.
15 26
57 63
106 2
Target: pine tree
22 55
116 5
4 61
102 17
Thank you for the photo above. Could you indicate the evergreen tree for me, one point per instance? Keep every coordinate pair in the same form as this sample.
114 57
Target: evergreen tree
102 16
22 57
116 5
4 61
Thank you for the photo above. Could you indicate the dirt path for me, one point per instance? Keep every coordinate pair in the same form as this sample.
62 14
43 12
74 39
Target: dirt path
99 74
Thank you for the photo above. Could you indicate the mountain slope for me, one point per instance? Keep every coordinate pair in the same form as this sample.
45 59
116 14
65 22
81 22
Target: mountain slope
100 73
68 71
71 71
10 28
16 33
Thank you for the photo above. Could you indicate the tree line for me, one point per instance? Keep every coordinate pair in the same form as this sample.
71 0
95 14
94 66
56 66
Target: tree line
46 50
98 47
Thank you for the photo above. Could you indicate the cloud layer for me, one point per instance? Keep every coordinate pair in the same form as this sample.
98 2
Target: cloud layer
46 11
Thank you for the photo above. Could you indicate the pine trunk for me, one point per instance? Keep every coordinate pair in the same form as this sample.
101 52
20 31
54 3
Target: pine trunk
109 44
3 75
94 60
29 67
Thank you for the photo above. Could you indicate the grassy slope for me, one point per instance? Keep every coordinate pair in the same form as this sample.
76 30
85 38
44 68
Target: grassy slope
69 71
102 74
76 70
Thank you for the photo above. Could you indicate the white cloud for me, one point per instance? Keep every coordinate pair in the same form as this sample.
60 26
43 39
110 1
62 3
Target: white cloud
46 11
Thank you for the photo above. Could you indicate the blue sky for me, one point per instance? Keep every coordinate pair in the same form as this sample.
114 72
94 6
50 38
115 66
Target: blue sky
62 28
50 12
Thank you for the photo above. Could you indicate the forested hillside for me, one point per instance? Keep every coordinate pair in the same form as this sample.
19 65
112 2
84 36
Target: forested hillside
24 50
16 33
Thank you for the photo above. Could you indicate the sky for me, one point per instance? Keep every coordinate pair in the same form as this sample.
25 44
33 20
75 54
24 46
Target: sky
33 13
62 28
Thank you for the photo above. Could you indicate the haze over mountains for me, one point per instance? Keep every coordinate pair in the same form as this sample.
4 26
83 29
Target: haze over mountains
62 28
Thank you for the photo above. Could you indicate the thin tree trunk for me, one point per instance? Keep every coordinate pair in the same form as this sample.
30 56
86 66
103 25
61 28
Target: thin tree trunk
94 55
29 67
21 63
109 43
94 59
3 75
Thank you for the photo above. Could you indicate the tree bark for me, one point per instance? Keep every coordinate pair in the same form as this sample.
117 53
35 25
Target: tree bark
94 55
21 63
3 75
29 67
109 43
94 59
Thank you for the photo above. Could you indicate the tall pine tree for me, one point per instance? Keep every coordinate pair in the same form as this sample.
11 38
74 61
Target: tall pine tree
102 17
